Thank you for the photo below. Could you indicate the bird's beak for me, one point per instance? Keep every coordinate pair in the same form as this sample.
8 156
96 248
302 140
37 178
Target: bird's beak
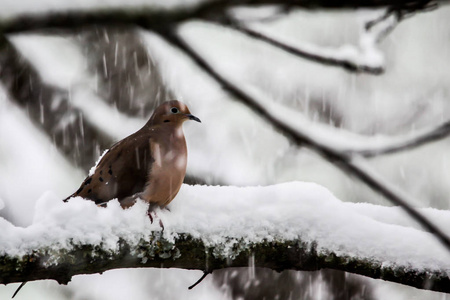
192 117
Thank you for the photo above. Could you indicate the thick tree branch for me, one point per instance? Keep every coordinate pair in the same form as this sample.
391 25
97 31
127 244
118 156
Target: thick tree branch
301 137
189 253
152 17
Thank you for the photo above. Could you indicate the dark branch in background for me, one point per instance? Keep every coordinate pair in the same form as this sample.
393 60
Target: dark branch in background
403 11
128 78
48 262
217 10
314 57
340 159
435 134
47 106
152 18
23 90
400 13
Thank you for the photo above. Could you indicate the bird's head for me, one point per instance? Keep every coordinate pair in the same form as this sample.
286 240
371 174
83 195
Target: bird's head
172 112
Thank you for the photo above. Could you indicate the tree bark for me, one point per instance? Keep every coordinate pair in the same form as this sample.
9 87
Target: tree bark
49 262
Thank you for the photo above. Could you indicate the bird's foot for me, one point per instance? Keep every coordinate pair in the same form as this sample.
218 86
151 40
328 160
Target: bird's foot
152 212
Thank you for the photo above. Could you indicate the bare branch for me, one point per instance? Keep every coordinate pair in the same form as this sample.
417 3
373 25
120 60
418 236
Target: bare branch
403 11
330 60
300 137
407 143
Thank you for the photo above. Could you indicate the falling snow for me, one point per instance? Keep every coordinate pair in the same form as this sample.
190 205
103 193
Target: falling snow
235 147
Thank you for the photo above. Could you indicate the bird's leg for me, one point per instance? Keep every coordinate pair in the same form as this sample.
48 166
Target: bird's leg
149 214
151 211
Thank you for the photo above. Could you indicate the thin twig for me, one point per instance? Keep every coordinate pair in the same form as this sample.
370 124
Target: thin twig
205 273
403 10
340 159
18 289
432 135
347 64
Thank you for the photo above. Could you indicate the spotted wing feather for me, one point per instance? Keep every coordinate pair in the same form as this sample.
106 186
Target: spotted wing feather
121 173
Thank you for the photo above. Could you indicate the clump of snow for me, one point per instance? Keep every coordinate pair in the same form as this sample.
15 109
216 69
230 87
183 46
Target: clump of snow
295 210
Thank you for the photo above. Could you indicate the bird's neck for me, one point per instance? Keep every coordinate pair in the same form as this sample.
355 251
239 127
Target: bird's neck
170 135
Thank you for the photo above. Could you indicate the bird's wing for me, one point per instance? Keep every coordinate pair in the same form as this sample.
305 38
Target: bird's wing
122 172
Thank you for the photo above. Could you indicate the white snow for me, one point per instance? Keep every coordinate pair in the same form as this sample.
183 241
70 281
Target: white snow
29 164
396 215
58 60
103 116
295 210
92 170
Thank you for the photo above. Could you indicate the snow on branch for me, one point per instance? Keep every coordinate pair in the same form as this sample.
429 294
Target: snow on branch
283 120
346 57
294 225
397 144
365 58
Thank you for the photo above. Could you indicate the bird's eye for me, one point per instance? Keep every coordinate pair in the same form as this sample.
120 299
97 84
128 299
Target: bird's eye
174 110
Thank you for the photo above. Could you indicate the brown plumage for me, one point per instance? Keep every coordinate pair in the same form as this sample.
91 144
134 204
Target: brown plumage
149 164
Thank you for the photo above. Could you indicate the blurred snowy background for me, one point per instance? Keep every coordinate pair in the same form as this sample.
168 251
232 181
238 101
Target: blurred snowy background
65 97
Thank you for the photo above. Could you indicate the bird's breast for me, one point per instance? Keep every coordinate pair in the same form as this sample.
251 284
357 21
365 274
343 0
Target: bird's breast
167 171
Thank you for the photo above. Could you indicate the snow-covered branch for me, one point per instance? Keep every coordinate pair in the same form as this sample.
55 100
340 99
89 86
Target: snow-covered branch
295 225
393 145
283 121
345 58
